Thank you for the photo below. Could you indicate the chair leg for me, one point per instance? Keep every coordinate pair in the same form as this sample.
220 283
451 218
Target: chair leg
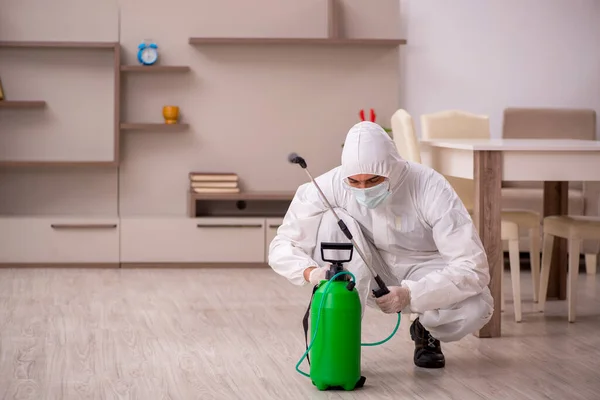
574 248
548 244
502 300
515 276
591 261
534 257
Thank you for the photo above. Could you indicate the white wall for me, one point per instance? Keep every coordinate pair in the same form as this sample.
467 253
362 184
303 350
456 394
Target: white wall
485 55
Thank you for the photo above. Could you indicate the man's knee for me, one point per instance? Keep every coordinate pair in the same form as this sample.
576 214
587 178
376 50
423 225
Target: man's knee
463 319
480 309
477 311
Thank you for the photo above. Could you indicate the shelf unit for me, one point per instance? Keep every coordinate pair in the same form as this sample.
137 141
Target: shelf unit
295 41
115 47
44 164
333 36
155 68
118 126
158 126
219 228
59 44
151 126
22 103
239 205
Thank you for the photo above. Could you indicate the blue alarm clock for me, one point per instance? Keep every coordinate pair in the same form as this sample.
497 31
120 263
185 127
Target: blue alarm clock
147 53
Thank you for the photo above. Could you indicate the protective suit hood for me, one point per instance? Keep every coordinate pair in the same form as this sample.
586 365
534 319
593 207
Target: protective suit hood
368 149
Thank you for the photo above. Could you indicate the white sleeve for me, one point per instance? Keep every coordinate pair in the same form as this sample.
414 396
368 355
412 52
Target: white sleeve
290 252
466 272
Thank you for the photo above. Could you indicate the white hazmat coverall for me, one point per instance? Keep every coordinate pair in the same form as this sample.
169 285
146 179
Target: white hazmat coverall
422 231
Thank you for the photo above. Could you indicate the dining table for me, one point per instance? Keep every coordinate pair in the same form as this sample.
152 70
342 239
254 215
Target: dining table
489 162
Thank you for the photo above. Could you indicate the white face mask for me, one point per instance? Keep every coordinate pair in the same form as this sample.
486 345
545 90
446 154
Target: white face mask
373 196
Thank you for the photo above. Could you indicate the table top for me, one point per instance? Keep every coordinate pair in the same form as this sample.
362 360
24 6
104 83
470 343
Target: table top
516 144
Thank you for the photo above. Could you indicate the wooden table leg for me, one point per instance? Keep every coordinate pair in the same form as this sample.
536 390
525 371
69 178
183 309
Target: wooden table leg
556 202
488 178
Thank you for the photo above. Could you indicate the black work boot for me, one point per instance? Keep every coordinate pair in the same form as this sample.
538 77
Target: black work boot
428 351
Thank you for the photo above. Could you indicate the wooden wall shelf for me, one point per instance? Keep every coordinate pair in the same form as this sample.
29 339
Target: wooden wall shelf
243 196
243 204
75 164
64 45
154 68
22 103
158 126
296 41
333 38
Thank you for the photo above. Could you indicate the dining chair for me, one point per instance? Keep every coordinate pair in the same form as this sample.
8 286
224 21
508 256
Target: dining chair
575 229
405 137
456 124
554 123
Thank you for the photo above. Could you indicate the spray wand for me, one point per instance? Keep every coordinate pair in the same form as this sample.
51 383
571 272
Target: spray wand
383 290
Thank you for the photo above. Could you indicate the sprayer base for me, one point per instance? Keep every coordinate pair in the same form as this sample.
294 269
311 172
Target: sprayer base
348 388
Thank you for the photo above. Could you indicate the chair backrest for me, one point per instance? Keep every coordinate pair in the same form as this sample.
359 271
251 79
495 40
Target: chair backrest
405 137
455 124
548 123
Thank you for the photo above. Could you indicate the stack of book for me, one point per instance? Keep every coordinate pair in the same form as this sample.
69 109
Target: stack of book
208 182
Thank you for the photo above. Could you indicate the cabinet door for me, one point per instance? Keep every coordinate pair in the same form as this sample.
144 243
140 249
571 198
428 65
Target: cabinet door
59 240
272 224
192 240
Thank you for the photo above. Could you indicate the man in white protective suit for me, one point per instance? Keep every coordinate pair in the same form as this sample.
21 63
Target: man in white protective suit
436 266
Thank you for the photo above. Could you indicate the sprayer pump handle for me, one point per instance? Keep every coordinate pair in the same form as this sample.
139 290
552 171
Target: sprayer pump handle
383 290
380 292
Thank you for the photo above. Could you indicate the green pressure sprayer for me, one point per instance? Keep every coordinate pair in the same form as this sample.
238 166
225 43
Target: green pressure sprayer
335 315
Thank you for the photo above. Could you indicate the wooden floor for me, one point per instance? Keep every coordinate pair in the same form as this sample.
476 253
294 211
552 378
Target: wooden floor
237 334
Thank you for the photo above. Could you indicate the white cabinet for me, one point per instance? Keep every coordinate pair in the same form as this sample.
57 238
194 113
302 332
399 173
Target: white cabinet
136 240
270 232
63 240
192 240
